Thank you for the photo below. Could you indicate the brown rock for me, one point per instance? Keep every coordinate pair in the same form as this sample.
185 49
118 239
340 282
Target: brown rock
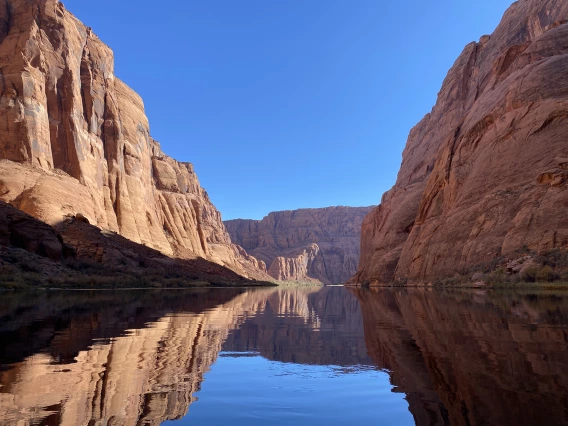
74 138
31 254
478 276
304 245
297 266
517 265
81 218
20 230
472 178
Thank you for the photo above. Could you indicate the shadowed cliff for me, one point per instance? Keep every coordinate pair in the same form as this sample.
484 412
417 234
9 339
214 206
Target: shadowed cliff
76 254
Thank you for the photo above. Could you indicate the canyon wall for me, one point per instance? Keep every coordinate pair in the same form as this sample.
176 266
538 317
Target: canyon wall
78 254
317 245
485 172
75 139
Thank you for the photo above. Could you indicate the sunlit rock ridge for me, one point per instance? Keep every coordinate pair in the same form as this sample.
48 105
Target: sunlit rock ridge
318 245
75 139
485 172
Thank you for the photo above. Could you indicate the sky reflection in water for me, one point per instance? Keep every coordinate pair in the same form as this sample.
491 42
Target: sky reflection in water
328 356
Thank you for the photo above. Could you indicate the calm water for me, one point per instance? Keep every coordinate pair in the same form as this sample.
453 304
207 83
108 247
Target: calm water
328 356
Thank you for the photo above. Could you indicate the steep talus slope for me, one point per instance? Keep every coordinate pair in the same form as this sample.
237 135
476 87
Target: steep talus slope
304 245
485 172
75 139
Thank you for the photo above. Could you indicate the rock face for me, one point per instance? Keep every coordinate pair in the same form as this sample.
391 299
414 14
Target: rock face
485 172
78 254
20 230
304 245
297 265
75 139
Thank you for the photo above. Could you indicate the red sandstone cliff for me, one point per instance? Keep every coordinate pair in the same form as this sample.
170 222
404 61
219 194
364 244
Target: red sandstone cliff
75 139
318 245
485 172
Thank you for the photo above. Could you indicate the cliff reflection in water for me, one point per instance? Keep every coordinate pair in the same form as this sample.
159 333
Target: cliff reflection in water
473 358
138 358
132 358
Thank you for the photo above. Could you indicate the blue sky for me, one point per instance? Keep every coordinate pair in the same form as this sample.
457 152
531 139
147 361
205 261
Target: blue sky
284 104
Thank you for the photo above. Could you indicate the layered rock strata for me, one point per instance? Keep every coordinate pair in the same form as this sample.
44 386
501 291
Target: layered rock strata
485 172
318 245
75 139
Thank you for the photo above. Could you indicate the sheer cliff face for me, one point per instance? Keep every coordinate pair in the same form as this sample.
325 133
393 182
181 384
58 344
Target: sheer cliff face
485 172
320 245
75 139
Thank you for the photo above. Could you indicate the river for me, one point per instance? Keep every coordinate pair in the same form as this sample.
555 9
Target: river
306 356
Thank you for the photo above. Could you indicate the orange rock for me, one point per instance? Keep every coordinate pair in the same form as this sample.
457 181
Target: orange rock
298 266
482 174
320 245
75 139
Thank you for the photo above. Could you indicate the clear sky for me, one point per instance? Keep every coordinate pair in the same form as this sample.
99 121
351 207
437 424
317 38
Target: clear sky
284 104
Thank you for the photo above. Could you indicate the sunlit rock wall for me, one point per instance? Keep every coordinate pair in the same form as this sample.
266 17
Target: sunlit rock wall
75 139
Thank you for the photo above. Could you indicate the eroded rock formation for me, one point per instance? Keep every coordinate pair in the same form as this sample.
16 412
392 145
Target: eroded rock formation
485 172
304 245
20 230
75 139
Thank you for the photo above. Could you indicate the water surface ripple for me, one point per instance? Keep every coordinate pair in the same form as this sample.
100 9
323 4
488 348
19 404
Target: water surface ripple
306 356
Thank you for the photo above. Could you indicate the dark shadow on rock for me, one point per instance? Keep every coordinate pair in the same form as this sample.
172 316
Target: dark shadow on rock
75 254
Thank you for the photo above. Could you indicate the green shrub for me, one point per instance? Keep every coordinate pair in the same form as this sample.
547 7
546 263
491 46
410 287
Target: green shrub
546 274
530 273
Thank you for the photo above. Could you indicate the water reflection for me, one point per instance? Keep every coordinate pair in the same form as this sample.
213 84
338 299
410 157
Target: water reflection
141 358
473 358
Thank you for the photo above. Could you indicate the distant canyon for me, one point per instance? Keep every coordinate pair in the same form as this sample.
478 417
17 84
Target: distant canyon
483 176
